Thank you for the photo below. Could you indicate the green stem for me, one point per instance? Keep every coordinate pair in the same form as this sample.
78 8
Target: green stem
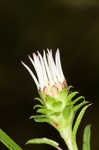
69 139
71 144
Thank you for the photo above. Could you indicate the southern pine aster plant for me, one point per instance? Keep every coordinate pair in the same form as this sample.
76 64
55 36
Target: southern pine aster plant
58 104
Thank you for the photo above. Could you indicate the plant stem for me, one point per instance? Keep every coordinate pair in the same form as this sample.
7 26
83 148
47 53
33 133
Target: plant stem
71 144
69 139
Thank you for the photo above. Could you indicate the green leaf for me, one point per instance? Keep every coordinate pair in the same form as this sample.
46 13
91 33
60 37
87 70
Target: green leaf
38 99
8 142
50 100
40 120
71 95
69 87
62 95
77 107
86 138
78 120
37 106
77 99
43 96
44 141
68 115
44 111
57 106
37 116
67 111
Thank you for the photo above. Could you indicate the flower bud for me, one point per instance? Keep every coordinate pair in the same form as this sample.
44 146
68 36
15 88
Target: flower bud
50 78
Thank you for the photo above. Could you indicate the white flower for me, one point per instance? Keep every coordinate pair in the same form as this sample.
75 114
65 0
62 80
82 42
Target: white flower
50 77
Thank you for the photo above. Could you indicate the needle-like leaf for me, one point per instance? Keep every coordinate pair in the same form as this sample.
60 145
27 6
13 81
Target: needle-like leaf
44 141
8 142
78 120
86 137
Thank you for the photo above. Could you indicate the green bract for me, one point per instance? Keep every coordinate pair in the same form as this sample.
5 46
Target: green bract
59 111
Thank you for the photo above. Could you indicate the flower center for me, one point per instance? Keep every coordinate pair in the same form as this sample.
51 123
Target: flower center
55 89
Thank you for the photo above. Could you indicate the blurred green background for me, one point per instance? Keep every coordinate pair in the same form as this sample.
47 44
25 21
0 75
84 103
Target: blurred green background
27 26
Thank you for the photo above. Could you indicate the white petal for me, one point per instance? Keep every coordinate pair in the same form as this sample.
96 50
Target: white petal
33 63
38 68
43 69
52 65
47 69
59 66
31 73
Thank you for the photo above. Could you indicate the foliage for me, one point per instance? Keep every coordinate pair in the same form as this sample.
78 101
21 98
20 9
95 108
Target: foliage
8 142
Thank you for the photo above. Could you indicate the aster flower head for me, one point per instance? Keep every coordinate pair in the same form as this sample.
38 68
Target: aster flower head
50 78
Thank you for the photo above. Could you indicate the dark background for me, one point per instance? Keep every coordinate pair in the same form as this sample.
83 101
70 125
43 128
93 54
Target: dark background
27 26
